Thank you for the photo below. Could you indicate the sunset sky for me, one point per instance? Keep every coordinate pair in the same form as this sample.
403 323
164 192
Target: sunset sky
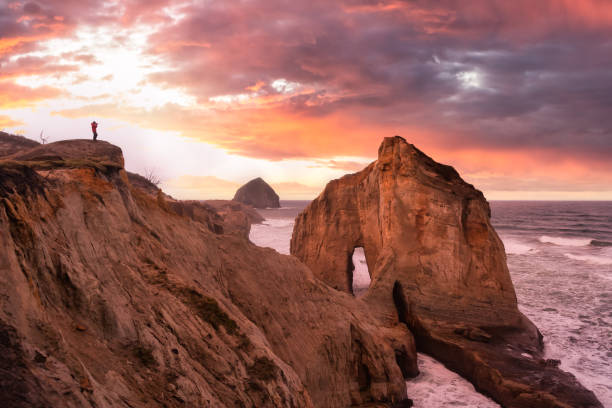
516 95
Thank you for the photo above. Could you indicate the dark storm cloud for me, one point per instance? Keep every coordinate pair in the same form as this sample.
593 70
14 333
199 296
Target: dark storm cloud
493 73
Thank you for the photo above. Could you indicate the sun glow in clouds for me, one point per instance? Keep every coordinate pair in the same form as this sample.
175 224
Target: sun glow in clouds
470 79
117 74
261 93
284 86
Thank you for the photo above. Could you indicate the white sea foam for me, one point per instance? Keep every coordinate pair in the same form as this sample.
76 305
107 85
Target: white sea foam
436 386
279 222
574 242
266 235
592 259
516 247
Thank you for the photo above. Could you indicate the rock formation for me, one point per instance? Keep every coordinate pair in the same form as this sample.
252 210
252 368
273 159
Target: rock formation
437 265
257 193
112 295
239 216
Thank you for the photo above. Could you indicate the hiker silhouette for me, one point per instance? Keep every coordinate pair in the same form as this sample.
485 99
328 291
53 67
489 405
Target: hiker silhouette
94 127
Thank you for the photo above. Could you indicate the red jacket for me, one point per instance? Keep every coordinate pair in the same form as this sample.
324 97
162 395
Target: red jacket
94 125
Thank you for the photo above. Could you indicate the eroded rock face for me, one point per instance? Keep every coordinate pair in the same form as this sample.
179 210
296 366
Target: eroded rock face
257 193
436 264
236 215
112 297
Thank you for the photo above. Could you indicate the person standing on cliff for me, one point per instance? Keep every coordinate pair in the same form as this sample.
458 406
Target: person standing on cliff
94 127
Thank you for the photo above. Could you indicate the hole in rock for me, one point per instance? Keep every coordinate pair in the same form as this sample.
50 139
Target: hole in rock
359 275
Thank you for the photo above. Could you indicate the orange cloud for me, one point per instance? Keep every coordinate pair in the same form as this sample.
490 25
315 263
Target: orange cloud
170 45
29 66
7 122
296 191
12 45
200 188
16 96
272 134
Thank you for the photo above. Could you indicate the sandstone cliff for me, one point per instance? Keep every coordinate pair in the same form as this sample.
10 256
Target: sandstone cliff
257 193
112 295
240 216
437 265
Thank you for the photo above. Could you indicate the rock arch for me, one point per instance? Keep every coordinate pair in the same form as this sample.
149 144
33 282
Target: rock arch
438 266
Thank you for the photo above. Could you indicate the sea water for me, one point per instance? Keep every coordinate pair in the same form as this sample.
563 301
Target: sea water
560 258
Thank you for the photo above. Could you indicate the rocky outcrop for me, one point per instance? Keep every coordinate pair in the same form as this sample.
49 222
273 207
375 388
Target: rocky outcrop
257 193
72 154
110 297
437 265
237 215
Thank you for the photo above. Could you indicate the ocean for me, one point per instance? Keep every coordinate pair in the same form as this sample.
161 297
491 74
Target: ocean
560 258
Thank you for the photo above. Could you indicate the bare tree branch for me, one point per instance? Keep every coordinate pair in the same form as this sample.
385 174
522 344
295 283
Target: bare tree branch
152 176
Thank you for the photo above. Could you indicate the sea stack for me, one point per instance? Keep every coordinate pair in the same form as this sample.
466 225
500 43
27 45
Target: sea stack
257 193
437 265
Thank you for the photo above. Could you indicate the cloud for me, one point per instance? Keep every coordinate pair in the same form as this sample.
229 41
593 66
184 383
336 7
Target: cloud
8 122
27 66
321 80
480 73
189 187
296 191
23 24
16 96
251 132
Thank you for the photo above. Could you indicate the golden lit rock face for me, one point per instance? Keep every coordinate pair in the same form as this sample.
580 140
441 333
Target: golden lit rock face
436 265
419 223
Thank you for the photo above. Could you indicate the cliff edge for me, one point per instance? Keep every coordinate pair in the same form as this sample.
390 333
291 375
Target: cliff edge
112 295
437 265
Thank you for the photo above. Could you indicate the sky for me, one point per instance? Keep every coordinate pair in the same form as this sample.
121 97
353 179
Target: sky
516 95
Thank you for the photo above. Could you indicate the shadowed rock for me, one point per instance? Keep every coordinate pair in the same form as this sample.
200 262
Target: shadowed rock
257 193
437 265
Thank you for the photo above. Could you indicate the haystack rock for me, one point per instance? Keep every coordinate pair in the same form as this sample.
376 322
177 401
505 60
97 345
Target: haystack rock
112 297
437 265
257 193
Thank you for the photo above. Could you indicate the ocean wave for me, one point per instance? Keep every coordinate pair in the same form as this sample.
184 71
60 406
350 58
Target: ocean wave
592 259
515 247
574 242
279 222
